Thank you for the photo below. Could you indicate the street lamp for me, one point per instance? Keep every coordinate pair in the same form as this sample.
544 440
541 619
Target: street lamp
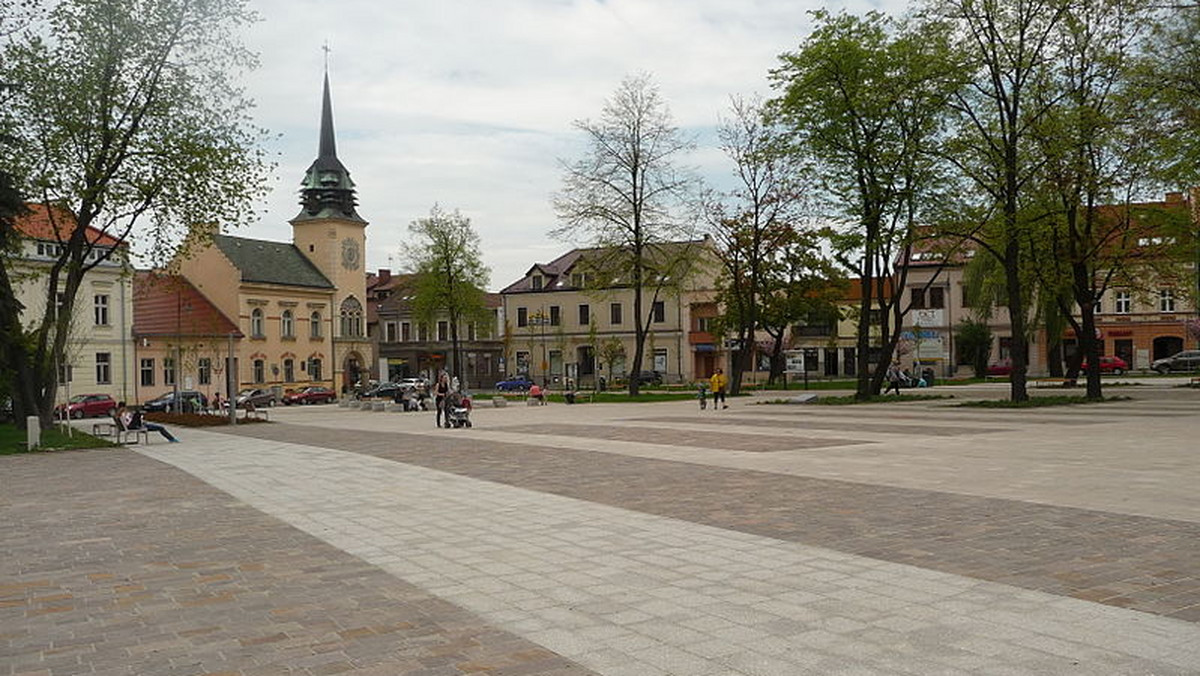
540 319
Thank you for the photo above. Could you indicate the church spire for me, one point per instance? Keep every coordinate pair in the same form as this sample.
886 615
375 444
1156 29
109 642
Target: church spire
327 191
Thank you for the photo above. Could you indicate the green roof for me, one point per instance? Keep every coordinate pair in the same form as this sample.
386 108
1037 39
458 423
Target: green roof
271 262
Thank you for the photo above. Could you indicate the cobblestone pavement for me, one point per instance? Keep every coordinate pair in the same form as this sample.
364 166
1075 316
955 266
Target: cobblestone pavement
624 540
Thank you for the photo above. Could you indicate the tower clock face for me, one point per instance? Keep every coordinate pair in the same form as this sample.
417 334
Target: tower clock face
351 256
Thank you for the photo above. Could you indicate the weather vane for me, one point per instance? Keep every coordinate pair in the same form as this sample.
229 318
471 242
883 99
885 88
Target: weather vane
325 48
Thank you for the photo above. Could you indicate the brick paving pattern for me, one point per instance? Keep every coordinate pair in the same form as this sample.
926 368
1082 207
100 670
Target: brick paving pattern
690 438
117 564
1147 564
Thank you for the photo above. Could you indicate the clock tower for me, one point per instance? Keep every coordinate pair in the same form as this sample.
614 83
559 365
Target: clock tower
329 231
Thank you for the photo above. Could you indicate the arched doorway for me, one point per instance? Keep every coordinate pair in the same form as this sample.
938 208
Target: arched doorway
1165 346
352 372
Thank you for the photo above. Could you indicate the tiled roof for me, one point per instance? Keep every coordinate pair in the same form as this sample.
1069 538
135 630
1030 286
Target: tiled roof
557 272
55 224
168 305
271 262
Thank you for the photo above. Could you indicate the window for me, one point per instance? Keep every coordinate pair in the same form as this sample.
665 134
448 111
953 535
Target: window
615 313
100 309
536 282
660 359
422 332
314 325
103 368
918 299
256 323
585 315
314 368
405 331
1098 306
966 297
147 372
168 371
65 373
659 310
260 371
204 371
470 331
289 370
522 362
579 280
522 317
352 318
555 315
1123 303
705 324
1166 300
443 330
287 325
389 332
937 298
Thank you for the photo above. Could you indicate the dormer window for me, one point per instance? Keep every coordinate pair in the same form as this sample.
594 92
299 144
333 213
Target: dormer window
537 281
578 280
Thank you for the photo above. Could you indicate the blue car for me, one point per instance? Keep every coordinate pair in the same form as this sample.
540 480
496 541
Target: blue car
514 384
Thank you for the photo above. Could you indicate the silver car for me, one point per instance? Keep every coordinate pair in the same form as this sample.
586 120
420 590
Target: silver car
1188 360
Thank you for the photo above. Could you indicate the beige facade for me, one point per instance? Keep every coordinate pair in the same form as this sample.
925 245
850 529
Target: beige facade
99 354
559 326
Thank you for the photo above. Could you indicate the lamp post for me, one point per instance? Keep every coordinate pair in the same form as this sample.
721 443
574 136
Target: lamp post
540 319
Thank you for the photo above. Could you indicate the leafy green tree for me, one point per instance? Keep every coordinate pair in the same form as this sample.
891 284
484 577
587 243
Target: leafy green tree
864 98
753 222
450 275
628 197
974 341
1008 48
125 115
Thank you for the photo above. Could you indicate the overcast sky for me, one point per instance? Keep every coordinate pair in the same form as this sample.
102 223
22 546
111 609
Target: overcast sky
470 103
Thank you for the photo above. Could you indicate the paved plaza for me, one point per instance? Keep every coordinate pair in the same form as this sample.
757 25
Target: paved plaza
620 540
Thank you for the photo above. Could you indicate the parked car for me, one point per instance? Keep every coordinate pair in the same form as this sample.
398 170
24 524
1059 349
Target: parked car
1000 368
86 406
1188 360
649 378
257 398
418 383
310 395
192 401
1113 365
514 384
383 391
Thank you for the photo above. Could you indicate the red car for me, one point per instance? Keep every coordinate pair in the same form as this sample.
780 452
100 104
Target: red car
310 395
1000 368
86 406
1113 365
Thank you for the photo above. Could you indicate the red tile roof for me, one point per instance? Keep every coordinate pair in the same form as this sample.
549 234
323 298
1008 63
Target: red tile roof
55 224
168 305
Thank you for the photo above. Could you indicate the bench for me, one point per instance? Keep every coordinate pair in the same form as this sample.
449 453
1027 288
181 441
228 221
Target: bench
131 436
1054 382
104 429
1194 382
257 414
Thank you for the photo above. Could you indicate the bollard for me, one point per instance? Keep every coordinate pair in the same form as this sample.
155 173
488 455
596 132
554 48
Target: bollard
33 432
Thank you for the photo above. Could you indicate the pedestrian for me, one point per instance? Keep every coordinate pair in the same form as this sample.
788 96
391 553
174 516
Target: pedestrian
894 375
132 420
718 383
440 392
702 394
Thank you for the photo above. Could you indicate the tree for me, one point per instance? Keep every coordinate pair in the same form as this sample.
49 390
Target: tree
974 340
626 198
450 274
1008 47
125 116
610 351
863 97
753 222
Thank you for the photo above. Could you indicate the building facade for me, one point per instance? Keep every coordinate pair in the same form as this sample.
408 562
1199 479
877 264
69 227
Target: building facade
562 322
99 350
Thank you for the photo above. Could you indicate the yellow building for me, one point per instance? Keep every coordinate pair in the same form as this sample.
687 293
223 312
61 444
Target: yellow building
299 306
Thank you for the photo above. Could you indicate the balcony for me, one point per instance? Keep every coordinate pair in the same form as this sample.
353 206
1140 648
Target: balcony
696 337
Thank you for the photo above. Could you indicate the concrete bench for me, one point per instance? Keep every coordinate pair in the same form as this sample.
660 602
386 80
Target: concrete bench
132 436
1053 382
257 414
499 402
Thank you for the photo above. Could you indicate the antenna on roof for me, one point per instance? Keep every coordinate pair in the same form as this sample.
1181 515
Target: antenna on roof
325 48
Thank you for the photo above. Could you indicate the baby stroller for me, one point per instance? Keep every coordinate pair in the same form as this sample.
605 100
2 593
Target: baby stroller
458 410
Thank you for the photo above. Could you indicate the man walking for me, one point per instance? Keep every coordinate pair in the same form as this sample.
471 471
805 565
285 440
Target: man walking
718 383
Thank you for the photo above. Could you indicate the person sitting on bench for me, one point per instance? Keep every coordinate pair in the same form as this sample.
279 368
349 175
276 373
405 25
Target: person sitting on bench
536 393
132 420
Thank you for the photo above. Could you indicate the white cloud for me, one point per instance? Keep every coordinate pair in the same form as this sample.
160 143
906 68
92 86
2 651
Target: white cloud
470 103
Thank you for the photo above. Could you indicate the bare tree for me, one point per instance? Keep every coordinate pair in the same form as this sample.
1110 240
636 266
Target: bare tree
628 196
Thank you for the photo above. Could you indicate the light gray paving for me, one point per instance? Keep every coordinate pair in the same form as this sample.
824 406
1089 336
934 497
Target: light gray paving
623 592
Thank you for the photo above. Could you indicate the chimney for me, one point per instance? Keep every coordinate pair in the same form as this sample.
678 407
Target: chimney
385 276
